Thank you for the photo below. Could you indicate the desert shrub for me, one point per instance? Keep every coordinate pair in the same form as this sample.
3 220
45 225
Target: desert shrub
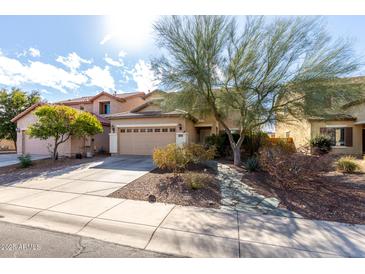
321 144
285 145
25 160
347 164
293 169
252 164
196 180
171 157
197 153
176 158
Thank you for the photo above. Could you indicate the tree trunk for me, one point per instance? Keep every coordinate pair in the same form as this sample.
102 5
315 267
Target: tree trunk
54 156
237 155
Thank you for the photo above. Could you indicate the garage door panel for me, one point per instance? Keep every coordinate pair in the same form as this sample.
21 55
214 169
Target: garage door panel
143 143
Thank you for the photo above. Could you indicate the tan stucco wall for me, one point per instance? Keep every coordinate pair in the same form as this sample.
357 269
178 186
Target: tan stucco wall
115 105
300 131
356 133
87 107
132 103
357 111
150 108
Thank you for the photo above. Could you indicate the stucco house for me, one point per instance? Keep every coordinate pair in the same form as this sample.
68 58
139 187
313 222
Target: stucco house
347 130
133 124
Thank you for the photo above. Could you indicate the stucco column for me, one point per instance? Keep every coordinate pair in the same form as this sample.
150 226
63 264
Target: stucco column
113 143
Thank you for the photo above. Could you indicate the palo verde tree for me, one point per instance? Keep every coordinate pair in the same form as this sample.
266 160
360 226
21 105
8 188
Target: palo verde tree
257 72
62 122
11 104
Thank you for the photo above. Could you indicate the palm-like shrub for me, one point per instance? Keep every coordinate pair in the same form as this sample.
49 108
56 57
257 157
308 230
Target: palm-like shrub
347 164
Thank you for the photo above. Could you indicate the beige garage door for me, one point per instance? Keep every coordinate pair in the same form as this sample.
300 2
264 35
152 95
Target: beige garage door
142 141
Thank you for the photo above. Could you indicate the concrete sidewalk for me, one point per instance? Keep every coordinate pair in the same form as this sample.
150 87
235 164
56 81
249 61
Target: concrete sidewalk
182 231
9 159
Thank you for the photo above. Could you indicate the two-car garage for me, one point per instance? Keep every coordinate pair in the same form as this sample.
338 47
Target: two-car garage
143 140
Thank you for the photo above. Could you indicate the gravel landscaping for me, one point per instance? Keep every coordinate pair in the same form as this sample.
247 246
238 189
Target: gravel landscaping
164 187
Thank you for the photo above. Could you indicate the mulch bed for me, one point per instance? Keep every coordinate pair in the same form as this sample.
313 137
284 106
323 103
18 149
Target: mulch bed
14 173
332 196
167 188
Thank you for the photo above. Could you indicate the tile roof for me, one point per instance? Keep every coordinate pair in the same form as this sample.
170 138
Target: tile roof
86 99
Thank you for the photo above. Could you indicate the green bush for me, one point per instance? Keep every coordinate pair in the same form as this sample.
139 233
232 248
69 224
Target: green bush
347 164
176 158
196 181
321 143
252 164
25 160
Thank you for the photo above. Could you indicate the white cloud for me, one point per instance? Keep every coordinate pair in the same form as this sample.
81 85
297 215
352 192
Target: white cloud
34 52
122 54
112 62
144 76
13 73
106 38
72 61
101 77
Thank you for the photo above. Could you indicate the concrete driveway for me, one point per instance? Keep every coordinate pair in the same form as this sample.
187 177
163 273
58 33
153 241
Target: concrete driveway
12 159
99 179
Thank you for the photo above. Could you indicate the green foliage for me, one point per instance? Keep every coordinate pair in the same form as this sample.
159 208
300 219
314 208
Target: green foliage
252 164
196 180
11 104
321 143
62 122
262 72
176 158
25 160
347 164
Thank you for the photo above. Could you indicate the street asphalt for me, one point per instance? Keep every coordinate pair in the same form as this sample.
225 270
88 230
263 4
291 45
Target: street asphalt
28 242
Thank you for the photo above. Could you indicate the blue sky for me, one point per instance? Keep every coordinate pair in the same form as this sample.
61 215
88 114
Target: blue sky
69 56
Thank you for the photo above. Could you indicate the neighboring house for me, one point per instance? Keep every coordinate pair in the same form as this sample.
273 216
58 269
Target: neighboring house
347 130
133 124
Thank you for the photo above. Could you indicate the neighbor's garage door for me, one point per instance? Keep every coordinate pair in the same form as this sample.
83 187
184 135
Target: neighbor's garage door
142 141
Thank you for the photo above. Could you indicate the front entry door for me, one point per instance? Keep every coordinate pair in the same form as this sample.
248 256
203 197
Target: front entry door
363 140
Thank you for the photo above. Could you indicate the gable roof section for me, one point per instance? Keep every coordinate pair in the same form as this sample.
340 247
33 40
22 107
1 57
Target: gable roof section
122 97
25 112
157 91
146 104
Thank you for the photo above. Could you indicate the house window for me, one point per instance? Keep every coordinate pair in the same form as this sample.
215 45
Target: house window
164 130
135 130
157 130
172 129
340 136
104 107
